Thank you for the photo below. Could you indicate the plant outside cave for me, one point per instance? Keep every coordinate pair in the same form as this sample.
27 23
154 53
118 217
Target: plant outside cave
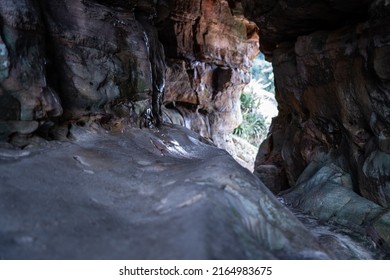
258 104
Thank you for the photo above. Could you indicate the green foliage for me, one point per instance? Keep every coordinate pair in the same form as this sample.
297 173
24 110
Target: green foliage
263 73
254 127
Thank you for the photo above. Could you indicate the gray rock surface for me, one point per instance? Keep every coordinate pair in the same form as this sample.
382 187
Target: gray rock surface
141 194
325 191
26 98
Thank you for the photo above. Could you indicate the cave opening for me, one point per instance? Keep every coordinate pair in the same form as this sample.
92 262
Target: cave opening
258 103
258 107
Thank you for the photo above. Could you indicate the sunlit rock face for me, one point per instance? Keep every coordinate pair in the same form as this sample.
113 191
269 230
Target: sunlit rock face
209 47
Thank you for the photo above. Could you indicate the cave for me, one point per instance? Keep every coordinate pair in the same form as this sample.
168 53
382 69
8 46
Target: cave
116 122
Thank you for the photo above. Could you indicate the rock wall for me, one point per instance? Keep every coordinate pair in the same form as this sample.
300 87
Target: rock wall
207 59
118 62
72 59
105 55
26 98
331 62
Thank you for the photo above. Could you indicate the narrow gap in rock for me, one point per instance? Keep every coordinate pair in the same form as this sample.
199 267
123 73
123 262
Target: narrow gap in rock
258 107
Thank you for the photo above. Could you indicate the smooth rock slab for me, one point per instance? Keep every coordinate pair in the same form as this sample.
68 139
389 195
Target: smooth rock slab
143 194
325 191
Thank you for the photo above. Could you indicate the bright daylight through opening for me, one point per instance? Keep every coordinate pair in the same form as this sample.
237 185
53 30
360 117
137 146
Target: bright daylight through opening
258 107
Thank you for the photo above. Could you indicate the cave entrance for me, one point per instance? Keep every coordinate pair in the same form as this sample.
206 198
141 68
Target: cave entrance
258 107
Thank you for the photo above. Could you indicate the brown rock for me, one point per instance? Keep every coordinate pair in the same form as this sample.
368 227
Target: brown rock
210 50
332 87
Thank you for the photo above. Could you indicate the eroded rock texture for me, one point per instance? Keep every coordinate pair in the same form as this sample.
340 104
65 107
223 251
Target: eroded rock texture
26 99
208 58
73 58
332 88
144 194
331 63
117 60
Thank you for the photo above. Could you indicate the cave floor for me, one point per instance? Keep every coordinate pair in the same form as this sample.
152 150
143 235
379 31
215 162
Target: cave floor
143 194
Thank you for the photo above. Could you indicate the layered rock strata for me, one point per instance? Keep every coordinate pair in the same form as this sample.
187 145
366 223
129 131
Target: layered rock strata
208 61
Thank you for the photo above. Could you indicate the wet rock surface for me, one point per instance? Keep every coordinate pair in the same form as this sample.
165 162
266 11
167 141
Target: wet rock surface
143 194
66 59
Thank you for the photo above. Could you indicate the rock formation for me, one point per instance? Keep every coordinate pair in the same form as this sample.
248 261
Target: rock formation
73 58
85 71
331 65
145 194
208 59
26 98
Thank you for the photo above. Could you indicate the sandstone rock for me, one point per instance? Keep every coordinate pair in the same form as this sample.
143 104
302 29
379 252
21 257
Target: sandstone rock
376 170
269 164
79 57
331 86
244 153
73 63
210 48
102 57
4 61
9 108
341 240
142 194
272 176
